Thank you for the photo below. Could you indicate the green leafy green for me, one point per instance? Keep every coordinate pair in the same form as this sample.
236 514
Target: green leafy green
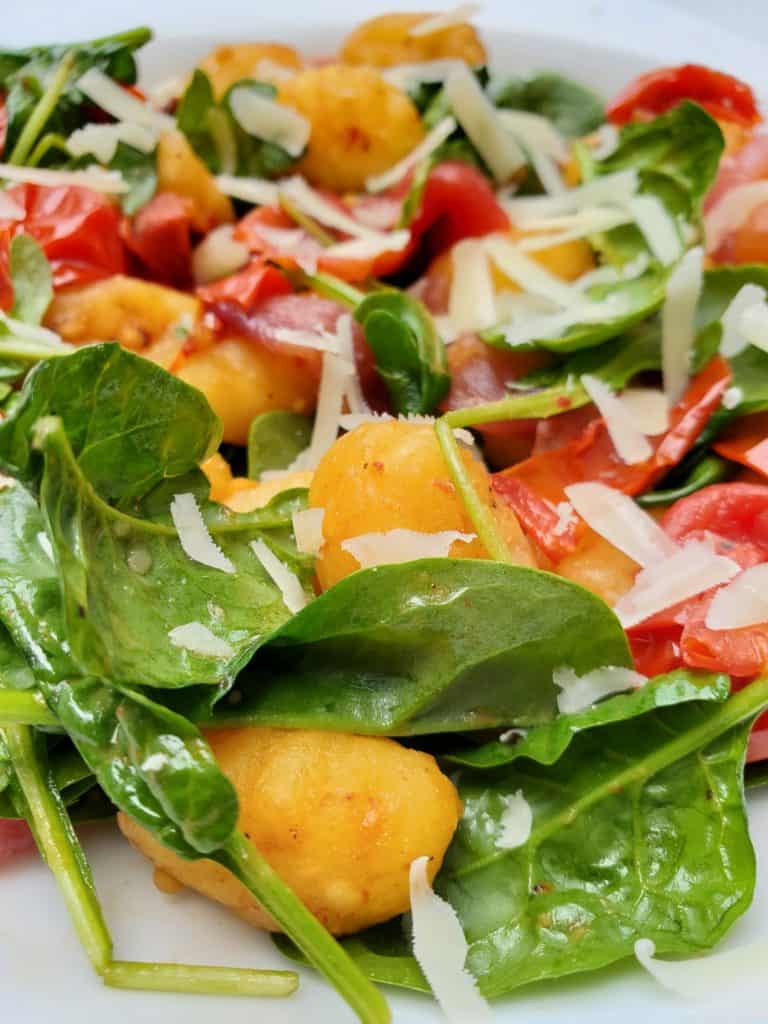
704 471
676 156
275 439
31 279
139 170
25 74
130 424
437 645
217 136
409 353
573 108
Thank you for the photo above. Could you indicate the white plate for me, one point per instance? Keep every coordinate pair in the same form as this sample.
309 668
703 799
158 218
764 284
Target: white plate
43 973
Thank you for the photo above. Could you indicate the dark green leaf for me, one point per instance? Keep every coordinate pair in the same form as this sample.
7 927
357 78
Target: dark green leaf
130 424
192 118
710 469
139 169
409 353
275 439
31 279
430 646
574 109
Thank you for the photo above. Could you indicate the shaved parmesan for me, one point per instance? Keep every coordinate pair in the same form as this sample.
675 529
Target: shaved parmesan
10 209
109 182
438 22
516 822
535 133
734 209
197 638
530 327
567 228
630 443
607 141
678 324
427 146
621 521
167 90
649 409
440 948
691 571
479 119
327 213
528 274
368 248
733 341
353 392
614 189
577 693
565 518
270 120
405 76
471 304
730 977
321 340
732 398
194 536
251 190
754 325
657 228
744 602
122 105
308 530
101 140
218 255
334 382
394 546
287 582
547 172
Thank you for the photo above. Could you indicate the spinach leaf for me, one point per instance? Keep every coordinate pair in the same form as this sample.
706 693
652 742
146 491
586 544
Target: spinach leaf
130 424
127 583
275 439
139 169
548 743
635 299
573 108
676 156
410 355
31 279
24 77
701 472
217 136
437 645
15 673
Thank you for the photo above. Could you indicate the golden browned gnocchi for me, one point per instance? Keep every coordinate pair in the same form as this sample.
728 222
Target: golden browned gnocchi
229 64
243 378
339 817
387 40
180 170
244 495
361 125
390 475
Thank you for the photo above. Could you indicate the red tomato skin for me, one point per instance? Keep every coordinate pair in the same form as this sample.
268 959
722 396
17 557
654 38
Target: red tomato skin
6 288
655 92
248 287
746 441
734 514
77 228
15 839
747 164
160 237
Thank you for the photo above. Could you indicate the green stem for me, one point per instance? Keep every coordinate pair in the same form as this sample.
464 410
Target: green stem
331 288
481 514
197 980
23 707
304 929
549 402
43 110
49 141
224 140
59 846
310 225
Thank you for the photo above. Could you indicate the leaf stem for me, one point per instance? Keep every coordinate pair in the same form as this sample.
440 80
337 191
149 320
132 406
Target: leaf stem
49 141
193 979
330 287
42 110
310 225
59 846
548 402
24 707
319 947
481 515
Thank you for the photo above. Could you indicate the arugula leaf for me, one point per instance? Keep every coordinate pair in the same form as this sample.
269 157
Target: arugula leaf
129 422
637 298
573 108
139 169
427 646
275 439
31 279
217 136
24 76
676 156
410 355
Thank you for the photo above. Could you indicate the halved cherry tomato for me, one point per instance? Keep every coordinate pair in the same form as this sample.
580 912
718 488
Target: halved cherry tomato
746 441
734 516
160 237
77 228
657 91
248 287
747 240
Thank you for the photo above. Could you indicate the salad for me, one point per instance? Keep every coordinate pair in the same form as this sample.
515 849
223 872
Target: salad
383 510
